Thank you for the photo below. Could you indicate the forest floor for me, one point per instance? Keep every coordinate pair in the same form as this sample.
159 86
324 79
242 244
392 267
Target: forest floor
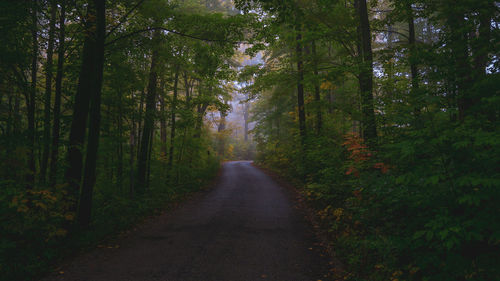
245 228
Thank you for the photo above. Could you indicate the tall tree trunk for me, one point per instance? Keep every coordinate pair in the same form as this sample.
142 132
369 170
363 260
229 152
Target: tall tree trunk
482 44
369 127
412 59
140 122
150 151
245 119
459 44
10 118
300 85
220 129
187 88
317 94
31 98
119 169
86 81
148 121
132 156
48 92
200 113
57 99
89 177
163 124
173 115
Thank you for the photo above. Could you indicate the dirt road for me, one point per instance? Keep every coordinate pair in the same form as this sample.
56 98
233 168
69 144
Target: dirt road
243 229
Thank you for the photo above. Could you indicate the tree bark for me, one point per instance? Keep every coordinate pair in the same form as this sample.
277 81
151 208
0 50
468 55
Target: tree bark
86 80
187 90
413 60
150 151
139 122
300 86
30 100
48 92
133 137
173 115
89 178
482 45
119 169
200 113
57 98
317 93
245 119
463 71
142 161
221 139
163 124
369 127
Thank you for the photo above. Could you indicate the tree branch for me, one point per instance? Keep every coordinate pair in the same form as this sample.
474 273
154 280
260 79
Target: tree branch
122 20
171 31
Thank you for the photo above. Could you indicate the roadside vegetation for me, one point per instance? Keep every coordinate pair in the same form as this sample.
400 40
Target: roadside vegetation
387 112
103 109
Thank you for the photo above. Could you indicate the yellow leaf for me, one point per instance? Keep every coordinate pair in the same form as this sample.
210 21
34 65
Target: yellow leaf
22 209
69 217
41 205
327 85
60 232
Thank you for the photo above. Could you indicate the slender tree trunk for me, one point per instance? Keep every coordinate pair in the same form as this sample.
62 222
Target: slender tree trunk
366 74
482 45
119 176
245 117
57 99
317 94
139 122
413 58
186 85
200 114
31 98
459 44
163 124
132 156
300 86
220 129
150 151
183 144
10 120
48 92
173 115
86 81
89 178
148 121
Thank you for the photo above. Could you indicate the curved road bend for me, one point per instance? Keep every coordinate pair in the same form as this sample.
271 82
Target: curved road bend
244 229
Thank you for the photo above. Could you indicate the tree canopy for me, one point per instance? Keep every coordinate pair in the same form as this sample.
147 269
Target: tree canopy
385 113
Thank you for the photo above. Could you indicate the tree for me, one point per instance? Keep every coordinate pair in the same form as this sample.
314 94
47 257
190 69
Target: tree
146 141
57 98
48 92
30 98
366 73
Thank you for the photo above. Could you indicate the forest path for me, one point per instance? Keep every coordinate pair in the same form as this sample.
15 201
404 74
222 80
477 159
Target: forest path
243 229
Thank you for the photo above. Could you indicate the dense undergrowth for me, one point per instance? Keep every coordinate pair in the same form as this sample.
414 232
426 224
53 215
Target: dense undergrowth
36 237
424 206
388 113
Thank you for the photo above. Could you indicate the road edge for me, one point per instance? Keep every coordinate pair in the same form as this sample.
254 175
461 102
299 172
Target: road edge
337 270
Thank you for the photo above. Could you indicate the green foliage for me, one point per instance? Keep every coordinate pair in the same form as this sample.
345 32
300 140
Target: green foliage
193 40
422 205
